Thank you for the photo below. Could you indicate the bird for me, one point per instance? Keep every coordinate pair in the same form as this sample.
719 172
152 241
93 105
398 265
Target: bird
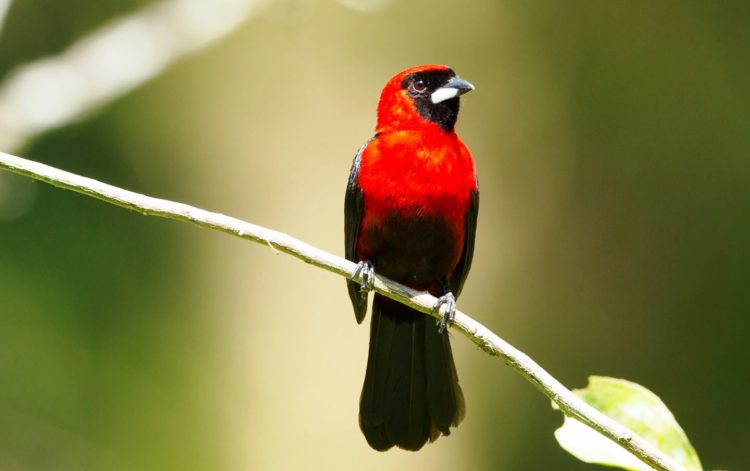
410 214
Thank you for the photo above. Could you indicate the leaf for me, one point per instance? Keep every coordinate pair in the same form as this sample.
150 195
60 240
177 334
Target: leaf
635 407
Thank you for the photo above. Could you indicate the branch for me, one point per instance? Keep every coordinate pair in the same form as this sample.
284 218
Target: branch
568 402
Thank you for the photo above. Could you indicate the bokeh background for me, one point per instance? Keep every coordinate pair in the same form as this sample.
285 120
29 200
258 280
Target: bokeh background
612 143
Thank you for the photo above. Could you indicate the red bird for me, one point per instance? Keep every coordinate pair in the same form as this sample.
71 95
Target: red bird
411 214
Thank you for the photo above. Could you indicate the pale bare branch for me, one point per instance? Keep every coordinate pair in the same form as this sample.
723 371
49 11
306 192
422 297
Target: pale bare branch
568 402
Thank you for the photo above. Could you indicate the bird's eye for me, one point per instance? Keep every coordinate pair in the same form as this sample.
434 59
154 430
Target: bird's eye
419 86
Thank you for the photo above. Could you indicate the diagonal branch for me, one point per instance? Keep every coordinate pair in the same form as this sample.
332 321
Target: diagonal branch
568 402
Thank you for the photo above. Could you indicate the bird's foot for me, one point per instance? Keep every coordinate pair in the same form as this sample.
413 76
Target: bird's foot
449 301
365 274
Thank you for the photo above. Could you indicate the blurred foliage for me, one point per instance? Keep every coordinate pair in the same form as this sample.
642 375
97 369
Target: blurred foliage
41 27
611 139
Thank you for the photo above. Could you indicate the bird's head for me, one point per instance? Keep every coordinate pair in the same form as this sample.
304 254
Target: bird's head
421 95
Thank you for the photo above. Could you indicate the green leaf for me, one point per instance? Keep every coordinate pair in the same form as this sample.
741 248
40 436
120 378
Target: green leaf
635 407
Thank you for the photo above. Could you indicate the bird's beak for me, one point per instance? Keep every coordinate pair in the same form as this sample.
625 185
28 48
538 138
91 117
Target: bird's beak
454 87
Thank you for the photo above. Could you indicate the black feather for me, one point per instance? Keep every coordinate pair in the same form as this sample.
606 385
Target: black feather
457 278
445 113
353 208
411 392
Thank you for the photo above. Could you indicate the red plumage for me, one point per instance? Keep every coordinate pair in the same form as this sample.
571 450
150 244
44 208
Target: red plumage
416 173
411 208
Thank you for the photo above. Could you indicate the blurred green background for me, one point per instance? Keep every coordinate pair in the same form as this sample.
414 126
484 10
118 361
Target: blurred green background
612 144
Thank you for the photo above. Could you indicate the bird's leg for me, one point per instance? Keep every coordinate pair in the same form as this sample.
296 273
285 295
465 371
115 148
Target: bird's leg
365 273
449 301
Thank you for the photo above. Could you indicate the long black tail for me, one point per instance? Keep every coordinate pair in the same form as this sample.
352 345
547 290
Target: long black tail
411 390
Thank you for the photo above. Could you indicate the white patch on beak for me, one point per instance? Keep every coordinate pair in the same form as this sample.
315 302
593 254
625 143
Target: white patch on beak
443 93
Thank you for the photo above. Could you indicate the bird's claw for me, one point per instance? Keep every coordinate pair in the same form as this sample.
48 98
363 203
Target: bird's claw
449 301
365 273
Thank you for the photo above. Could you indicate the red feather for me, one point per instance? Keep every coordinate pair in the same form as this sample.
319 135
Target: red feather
418 172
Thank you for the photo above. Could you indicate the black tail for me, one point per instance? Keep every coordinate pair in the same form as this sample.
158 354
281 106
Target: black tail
411 390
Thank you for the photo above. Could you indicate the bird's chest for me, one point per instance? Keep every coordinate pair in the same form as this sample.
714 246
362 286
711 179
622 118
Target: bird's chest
415 203
415 180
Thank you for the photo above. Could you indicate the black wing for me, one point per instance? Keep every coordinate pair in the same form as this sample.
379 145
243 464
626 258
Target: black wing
457 278
353 208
